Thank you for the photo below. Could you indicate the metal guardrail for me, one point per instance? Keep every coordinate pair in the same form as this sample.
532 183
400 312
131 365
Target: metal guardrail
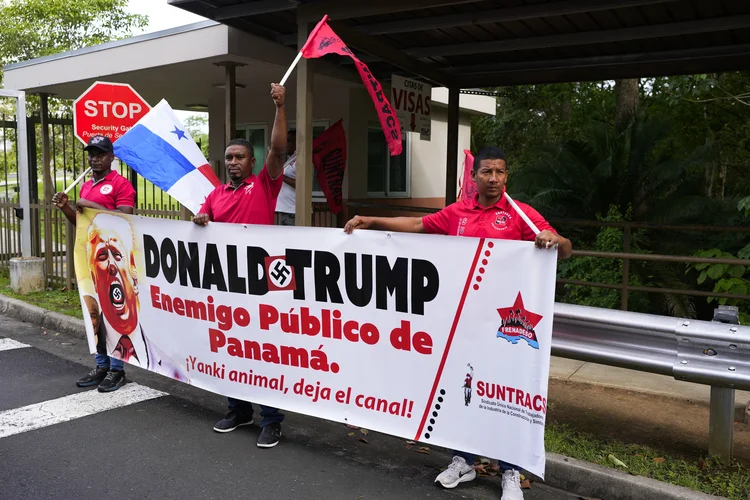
709 353
624 286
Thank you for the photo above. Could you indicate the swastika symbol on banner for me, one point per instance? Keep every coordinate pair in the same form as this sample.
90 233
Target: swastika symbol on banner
279 272
117 295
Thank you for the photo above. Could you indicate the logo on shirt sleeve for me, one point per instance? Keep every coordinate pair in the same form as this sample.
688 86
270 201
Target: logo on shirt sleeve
106 189
280 275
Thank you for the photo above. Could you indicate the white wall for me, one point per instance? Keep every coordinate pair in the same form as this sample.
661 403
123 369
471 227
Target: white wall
334 100
428 158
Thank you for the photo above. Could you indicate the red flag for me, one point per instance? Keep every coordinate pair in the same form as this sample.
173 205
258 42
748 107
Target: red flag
468 186
329 158
324 41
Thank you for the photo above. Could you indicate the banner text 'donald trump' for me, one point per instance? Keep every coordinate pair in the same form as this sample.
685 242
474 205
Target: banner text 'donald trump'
444 340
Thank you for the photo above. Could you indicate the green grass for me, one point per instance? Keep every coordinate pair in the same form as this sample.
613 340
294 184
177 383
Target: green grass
61 301
706 475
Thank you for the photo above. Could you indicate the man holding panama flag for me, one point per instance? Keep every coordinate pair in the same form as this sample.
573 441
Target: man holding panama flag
160 149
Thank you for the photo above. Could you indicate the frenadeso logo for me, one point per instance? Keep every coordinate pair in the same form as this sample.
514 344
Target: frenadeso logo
280 276
518 323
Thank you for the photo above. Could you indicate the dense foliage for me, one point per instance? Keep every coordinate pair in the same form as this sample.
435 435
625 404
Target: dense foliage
682 159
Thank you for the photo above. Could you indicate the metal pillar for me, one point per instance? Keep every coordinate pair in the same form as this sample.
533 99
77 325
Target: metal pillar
48 182
305 172
230 106
23 168
721 417
230 102
721 423
451 164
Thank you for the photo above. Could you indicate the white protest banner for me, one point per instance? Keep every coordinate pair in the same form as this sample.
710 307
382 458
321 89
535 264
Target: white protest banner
443 340
412 101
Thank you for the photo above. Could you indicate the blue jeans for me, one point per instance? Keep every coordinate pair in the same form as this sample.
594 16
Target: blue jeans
268 415
470 460
104 361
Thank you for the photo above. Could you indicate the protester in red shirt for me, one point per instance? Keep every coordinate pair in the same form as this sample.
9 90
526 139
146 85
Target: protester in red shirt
106 190
488 215
250 199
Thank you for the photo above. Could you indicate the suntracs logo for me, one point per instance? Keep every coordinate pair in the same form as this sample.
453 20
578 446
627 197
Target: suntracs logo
518 323
327 42
467 384
501 220
106 189
331 40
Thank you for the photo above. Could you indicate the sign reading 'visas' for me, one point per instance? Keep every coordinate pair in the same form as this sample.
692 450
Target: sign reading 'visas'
412 101
442 340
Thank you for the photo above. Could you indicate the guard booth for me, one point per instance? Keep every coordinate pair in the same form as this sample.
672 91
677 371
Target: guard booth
222 71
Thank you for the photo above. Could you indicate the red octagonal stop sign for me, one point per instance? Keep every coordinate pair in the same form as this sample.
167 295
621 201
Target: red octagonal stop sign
107 109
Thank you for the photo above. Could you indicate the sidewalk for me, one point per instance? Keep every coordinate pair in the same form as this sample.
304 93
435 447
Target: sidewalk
571 370
639 407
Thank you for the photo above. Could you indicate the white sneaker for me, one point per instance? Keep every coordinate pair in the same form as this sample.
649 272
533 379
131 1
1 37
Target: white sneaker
512 485
457 472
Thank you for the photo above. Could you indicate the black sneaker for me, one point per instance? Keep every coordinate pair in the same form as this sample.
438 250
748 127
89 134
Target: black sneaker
269 435
113 381
232 421
94 377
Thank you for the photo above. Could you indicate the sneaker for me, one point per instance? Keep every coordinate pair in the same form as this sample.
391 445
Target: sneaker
113 381
94 377
512 485
231 422
457 472
269 435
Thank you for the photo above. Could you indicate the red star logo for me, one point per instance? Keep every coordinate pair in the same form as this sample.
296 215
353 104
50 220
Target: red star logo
532 318
518 323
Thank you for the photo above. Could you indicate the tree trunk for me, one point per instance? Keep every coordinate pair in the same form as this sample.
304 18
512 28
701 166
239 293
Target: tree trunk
626 102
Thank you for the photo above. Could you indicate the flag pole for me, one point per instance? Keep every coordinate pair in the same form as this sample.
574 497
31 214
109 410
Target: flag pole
77 180
521 213
299 54
291 68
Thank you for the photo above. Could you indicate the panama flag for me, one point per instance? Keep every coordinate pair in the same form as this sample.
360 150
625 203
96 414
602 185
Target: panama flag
160 149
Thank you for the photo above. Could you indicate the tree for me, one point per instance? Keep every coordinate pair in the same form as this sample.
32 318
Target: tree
630 172
197 125
626 102
36 28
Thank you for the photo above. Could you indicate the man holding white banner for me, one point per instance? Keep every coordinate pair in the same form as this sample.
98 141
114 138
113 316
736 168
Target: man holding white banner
251 199
106 190
491 214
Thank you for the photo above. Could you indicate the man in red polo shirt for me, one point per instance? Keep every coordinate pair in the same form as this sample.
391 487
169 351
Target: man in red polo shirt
250 199
106 190
488 215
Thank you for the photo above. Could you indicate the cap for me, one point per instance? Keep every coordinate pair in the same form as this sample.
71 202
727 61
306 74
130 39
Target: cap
101 143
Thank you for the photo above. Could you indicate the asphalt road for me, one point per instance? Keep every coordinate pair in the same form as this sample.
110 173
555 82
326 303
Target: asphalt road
66 444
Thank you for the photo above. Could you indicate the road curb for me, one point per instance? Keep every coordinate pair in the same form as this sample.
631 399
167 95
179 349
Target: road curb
595 481
562 472
29 313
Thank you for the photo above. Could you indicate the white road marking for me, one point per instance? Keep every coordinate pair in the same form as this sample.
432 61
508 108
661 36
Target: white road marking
8 344
71 407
